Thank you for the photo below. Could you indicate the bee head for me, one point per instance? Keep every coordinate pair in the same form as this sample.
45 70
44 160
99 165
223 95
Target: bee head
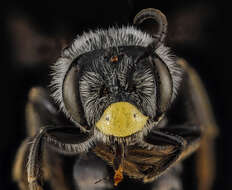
117 79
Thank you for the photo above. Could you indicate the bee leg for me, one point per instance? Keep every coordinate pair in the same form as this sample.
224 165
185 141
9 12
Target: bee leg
206 164
159 150
40 111
170 145
65 140
201 107
191 133
150 158
19 172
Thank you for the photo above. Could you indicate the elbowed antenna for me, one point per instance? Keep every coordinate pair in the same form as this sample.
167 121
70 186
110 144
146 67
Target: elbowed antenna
164 81
158 17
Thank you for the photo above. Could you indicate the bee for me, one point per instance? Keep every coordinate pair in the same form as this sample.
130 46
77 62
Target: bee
121 104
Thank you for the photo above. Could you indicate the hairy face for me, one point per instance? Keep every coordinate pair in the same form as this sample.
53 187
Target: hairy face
116 73
116 76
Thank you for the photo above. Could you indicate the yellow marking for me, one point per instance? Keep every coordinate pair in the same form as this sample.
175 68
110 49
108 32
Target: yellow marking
121 119
118 176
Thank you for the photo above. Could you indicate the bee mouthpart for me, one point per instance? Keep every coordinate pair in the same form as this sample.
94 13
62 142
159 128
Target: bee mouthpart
118 176
121 119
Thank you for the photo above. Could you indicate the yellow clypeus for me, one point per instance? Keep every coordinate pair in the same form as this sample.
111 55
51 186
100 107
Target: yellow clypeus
121 119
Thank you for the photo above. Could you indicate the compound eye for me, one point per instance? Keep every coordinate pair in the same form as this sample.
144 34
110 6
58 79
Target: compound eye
164 84
71 98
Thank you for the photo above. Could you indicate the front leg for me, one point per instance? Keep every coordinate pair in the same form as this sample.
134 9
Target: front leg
158 151
191 133
66 140
169 145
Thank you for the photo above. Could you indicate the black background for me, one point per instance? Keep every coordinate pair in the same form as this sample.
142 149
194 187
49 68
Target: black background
198 31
